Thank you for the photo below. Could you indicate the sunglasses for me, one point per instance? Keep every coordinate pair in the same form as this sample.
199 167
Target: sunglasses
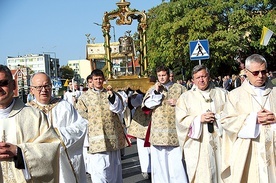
256 73
4 83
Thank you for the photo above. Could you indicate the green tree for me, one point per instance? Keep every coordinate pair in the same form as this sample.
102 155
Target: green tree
66 72
232 27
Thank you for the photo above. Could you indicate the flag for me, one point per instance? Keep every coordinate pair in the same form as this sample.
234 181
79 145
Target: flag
266 35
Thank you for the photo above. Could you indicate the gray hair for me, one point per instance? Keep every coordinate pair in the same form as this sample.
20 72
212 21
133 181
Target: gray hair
31 80
255 58
198 68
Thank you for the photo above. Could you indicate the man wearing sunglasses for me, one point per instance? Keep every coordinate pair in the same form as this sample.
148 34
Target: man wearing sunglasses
69 125
249 122
29 148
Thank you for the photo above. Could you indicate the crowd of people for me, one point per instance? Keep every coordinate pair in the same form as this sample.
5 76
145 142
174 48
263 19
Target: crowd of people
205 130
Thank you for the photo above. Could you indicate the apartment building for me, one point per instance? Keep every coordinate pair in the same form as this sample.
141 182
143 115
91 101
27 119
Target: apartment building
37 63
81 69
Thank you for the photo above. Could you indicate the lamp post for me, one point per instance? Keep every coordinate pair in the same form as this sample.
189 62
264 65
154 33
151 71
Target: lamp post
114 37
55 64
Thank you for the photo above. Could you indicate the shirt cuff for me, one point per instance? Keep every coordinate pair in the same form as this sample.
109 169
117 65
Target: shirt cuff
195 128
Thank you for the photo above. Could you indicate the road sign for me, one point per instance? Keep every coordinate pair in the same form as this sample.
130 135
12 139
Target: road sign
199 50
58 83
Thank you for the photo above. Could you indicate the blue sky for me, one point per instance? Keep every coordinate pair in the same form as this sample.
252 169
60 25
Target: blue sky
57 26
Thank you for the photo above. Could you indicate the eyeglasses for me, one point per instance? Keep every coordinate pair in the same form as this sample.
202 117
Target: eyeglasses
4 83
39 88
256 73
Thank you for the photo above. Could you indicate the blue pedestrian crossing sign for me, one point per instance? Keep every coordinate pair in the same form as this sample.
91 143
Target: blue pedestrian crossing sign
57 83
199 50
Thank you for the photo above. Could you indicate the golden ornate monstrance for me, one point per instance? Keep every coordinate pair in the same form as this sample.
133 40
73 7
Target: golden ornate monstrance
124 16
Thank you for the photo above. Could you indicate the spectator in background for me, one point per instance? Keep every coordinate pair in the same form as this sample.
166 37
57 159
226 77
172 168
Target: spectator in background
30 97
89 81
242 76
236 81
219 82
171 76
189 84
227 83
72 94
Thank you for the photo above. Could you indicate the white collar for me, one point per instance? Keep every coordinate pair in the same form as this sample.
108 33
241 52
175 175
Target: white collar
4 113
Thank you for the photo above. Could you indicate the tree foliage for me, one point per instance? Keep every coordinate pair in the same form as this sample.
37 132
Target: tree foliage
66 72
232 27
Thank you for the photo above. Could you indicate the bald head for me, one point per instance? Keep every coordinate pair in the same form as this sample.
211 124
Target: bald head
38 75
41 87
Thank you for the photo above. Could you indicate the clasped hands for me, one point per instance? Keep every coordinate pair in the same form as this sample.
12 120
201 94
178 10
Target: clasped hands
7 151
207 117
265 117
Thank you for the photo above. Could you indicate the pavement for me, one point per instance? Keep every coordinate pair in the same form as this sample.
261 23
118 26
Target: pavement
130 166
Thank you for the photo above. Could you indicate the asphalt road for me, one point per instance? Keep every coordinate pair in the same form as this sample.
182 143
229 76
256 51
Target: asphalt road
131 166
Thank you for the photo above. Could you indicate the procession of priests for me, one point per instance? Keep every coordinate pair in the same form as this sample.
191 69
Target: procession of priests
203 134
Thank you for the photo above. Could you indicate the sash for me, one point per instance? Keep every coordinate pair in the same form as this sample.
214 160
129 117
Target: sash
148 112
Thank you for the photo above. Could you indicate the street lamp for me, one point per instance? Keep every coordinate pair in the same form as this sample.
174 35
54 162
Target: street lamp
55 63
110 26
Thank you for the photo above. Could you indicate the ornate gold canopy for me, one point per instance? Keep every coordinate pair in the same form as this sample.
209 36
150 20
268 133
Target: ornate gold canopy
124 16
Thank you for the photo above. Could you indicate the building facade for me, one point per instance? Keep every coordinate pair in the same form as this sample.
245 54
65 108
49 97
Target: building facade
81 69
121 63
37 63
23 67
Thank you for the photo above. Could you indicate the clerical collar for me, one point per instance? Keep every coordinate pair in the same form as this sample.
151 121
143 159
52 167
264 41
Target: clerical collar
260 87
257 87
168 84
4 113
204 93
258 90
35 100
98 90
39 103
207 89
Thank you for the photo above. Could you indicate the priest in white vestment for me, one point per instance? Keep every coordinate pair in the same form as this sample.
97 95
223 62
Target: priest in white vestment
69 125
29 148
249 149
199 131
